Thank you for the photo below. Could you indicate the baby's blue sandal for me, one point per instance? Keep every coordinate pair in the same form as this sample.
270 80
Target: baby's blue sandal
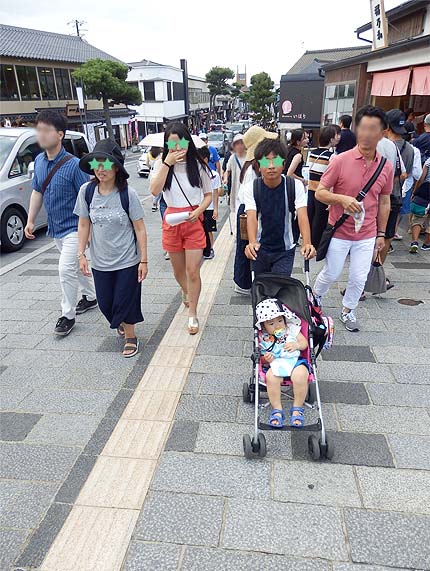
278 415
299 417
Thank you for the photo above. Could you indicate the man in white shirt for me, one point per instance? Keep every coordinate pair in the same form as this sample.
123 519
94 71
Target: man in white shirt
234 168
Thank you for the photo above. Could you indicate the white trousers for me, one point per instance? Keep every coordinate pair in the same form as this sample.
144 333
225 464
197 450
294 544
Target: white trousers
360 258
70 276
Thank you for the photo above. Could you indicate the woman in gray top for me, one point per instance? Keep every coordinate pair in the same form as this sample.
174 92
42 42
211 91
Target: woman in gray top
110 211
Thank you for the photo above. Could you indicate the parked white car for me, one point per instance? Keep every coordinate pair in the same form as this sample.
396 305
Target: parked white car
142 163
18 149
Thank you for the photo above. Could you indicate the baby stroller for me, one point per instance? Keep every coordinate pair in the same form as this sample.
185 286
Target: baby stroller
319 333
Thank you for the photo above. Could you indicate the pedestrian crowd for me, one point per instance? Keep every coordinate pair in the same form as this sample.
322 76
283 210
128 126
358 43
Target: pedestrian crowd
344 198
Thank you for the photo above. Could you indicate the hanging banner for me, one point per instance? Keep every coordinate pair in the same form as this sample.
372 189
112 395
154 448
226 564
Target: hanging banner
379 24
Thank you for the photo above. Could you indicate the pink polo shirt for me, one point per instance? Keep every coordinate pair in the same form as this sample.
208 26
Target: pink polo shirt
347 174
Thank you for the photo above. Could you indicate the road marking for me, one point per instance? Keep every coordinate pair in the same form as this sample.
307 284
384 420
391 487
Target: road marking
24 259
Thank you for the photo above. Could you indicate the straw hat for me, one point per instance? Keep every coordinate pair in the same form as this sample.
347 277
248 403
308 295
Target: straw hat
253 136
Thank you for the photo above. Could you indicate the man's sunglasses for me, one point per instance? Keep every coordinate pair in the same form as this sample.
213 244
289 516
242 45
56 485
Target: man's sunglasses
265 162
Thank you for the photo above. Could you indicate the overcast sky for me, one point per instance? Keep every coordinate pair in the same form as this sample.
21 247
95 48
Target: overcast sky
269 36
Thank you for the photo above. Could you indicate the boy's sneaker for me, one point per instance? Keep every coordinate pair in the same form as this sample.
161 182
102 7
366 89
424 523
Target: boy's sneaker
425 247
241 291
349 320
154 208
84 305
64 326
414 248
209 255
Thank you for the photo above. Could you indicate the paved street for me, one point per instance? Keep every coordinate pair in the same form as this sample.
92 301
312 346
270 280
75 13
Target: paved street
112 464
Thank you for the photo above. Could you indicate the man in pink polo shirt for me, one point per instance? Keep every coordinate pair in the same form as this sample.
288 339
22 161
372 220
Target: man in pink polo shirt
363 233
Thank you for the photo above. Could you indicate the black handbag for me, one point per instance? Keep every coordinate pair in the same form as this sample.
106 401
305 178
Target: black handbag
330 229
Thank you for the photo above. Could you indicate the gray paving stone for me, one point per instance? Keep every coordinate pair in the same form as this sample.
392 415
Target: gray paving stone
383 419
11 542
350 371
410 451
400 355
349 448
411 265
93 380
206 407
323 536
219 364
64 401
25 461
119 403
379 339
353 567
411 374
358 353
238 333
149 557
43 537
24 503
17 341
229 321
221 348
395 490
351 393
387 538
226 438
76 478
198 559
69 343
232 310
2 369
221 384
212 475
315 483
192 384
15 426
403 395
64 429
12 396
33 358
101 435
240 300
182 437
181 518
39 273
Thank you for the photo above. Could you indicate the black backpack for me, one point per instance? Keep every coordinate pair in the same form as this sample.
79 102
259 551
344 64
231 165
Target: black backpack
123 196
291 195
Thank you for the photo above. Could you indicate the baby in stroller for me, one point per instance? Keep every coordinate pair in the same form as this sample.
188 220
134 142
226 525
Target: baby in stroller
281 343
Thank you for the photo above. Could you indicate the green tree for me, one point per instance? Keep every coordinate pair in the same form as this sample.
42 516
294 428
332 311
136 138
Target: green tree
106 80
261 97
217 78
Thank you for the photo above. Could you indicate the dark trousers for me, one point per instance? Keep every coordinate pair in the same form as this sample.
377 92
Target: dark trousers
163 207
118 295
318 218
242 266
275 263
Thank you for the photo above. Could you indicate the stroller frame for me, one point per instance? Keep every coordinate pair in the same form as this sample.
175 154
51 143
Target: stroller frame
256 447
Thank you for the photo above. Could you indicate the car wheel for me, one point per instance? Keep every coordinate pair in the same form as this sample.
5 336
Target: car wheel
141 175
12 230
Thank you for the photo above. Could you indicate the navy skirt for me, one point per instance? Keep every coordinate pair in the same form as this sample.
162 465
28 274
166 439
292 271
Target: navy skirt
118 295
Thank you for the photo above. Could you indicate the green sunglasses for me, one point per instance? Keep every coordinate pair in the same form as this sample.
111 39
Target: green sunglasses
107 164
265 162
182 143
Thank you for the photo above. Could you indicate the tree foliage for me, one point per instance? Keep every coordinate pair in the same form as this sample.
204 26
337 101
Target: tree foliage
217 78
106 80
261 97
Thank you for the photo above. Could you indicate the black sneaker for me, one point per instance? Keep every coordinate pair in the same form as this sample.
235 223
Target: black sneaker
64 326
84 305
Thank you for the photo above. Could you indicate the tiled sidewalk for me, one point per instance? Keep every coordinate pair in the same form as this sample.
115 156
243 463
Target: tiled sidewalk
210 509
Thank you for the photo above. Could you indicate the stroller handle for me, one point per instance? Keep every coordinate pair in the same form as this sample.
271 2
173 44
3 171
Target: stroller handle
306 265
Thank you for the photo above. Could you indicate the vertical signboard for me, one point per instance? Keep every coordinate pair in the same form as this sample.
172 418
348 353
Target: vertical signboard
379 24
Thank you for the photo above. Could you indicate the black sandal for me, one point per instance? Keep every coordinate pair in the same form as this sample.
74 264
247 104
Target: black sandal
121 332
131 343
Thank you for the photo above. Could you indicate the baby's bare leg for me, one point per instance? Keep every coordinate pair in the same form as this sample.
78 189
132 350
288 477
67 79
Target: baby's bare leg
274 389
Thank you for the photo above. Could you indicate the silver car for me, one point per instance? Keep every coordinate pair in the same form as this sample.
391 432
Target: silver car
18 149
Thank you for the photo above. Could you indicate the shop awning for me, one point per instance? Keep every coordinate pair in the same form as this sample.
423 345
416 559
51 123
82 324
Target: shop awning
421 80
390 83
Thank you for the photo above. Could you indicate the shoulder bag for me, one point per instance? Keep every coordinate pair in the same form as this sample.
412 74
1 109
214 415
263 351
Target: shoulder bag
55 169
331 228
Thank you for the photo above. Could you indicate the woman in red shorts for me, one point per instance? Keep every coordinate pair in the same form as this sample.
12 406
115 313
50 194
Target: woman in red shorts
185 182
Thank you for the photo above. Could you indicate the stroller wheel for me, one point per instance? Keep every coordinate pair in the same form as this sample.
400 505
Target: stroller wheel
311 397
261 447
314 447
247 447
327 450
246 396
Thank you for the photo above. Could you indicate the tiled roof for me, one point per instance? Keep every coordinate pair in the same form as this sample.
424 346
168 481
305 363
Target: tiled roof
306 62
37 44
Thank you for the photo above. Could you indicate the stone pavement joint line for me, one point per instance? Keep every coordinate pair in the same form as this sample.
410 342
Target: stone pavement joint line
97 532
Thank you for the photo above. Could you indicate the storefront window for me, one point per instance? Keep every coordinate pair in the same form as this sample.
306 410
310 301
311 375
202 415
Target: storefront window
27 80
8 87
63 83
149 90
47 82
338 100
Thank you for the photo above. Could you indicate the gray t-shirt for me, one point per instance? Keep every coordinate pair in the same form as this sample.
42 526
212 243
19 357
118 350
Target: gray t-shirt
112 245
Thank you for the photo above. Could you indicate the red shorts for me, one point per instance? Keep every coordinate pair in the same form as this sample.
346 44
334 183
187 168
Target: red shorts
185 236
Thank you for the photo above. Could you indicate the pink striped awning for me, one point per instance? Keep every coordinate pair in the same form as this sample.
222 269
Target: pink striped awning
421 80
390 83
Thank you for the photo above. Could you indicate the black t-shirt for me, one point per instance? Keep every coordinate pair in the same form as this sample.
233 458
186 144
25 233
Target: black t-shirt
291 154
347 141
272 218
